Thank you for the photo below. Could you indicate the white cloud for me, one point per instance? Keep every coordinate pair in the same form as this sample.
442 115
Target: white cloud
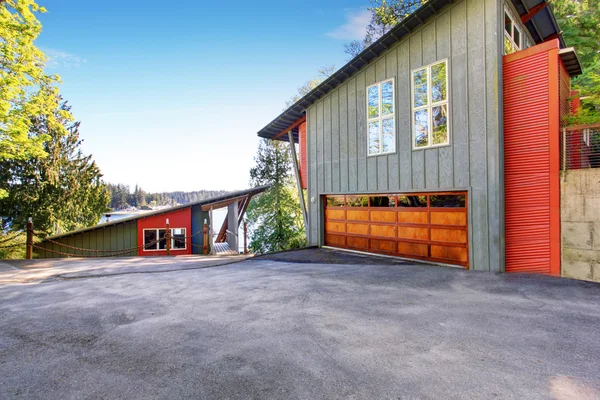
62 59
355 27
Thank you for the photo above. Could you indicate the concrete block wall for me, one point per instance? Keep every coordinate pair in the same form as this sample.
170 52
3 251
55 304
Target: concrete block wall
580 224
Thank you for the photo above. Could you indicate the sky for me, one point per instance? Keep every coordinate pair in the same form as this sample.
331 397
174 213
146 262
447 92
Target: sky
170 95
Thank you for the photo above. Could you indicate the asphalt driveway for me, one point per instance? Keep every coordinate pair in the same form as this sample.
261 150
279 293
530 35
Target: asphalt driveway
284 327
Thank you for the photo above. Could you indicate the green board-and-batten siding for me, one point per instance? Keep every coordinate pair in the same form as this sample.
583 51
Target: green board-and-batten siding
114 237
466 33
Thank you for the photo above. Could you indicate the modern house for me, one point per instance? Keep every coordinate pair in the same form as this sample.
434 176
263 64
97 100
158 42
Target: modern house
441 140
144 234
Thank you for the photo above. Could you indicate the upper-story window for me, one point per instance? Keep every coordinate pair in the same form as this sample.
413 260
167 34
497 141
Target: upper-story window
512 34
381 123
430 106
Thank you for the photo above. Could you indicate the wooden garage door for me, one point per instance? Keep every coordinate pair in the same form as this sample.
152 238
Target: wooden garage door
427 226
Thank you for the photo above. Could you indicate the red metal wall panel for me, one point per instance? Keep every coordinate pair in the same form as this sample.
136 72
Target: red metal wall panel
303 166
531 160
177 219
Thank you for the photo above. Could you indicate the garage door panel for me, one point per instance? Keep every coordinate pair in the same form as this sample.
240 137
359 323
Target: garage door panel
357 229
357 215
383 216
457 218
412 217
335 226
359 243
388 246
335 240
409 232
413 249
449 253
383 230
335 214
448 235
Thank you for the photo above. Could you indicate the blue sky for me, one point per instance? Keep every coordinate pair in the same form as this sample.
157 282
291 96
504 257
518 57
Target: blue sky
171 94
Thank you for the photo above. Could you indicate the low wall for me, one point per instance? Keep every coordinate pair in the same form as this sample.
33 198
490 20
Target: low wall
580 217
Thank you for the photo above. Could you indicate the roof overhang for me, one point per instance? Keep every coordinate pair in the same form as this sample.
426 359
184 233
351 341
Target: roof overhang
399 31
542 26
571 60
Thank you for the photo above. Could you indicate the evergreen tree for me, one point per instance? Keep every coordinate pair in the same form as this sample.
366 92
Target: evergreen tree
274 217
26 92
62 191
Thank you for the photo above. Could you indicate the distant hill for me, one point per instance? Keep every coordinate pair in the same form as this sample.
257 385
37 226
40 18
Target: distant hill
123 198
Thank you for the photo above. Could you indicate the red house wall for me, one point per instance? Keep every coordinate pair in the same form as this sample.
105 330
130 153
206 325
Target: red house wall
532 159
177 219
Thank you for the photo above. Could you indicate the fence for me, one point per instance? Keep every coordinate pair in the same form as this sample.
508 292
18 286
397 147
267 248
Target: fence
580 147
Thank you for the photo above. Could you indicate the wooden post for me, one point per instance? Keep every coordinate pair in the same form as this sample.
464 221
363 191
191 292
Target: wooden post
211 231
29 249
205 237
168 238
245 237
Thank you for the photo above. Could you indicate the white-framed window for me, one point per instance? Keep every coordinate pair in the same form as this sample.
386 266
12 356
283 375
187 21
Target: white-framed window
153 234
430 107
512 34
381 121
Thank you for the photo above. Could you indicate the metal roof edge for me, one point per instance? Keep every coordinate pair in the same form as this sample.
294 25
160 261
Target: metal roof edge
204 202
571 60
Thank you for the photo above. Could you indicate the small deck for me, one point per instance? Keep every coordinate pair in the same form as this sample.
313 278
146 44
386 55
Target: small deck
224 249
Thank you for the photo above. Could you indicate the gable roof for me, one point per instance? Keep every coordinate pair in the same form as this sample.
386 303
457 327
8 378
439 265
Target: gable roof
543 25
206 202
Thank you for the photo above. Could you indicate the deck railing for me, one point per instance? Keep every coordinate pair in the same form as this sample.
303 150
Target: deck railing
580 147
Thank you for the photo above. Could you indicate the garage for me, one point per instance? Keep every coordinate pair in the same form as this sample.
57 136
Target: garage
425 226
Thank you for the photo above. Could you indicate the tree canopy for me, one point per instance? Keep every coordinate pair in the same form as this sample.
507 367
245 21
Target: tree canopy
274 217
62 191
384 15
26 91
580 22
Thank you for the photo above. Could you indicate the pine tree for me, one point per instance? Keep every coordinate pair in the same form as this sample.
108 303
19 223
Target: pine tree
61 192
274 217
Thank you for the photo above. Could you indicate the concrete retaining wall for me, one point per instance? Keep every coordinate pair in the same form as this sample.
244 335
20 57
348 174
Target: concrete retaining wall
580 215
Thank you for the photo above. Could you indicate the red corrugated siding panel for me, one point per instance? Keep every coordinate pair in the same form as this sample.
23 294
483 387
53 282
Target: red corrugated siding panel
303 164
531 142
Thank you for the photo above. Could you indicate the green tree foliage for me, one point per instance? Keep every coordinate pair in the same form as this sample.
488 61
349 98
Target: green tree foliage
26 92
385 14
274 217
62 191
580 22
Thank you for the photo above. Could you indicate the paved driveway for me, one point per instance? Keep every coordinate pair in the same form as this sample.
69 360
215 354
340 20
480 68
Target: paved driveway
283 328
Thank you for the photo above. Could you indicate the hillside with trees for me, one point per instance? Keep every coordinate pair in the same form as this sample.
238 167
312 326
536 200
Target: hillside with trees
123 198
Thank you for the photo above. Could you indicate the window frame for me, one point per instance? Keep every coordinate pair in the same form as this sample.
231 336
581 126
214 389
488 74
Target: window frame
157 231
429 106
380 118
518 47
